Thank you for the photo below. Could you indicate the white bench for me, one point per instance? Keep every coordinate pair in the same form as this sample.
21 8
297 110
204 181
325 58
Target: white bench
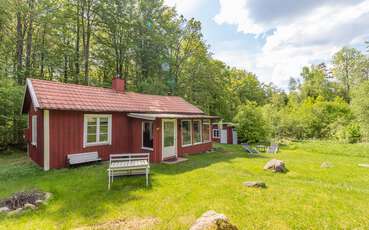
129 164
80 158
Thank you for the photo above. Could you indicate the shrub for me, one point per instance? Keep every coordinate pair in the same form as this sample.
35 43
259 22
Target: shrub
252 127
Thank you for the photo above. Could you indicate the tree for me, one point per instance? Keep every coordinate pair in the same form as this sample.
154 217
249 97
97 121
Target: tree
360 107
251 126
350 68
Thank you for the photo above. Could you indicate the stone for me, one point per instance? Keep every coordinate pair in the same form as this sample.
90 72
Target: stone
255 184
364 165
211 220
15 212
4 209
47 196
39 202
326 165
30 206
275 165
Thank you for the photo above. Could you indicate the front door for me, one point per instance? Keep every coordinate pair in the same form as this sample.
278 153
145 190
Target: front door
223 136
169 127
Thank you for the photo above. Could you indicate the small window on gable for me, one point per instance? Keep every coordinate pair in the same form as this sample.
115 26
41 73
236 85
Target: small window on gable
97 129
147 135
34 130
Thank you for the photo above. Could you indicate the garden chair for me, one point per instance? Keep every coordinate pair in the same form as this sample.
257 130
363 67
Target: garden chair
273 149
250 150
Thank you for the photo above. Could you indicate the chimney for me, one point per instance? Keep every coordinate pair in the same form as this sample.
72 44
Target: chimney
118 84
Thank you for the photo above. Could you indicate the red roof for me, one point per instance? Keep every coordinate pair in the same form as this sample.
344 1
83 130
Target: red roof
62 96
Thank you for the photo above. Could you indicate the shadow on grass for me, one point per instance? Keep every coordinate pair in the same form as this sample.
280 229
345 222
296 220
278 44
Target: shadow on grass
82 191
203 160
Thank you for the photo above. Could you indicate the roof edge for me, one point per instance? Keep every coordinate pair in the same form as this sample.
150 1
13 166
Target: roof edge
32 93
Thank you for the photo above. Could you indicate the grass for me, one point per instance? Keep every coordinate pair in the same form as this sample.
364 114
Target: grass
307 197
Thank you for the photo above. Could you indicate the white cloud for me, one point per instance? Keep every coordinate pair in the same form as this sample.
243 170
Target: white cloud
310 37
185 7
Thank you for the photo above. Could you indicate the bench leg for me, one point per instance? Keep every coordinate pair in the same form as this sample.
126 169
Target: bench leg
147 177
109 180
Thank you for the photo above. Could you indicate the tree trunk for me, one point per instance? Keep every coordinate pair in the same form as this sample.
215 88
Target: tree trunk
19 48
86 35
29 39
42 59
77 69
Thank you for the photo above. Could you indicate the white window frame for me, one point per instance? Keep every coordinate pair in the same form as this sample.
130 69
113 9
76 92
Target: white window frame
206 122
200 126
186 145
34 130
216 136
142 131
98 116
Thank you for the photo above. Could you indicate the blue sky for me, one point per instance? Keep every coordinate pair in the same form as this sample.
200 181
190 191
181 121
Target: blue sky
276 38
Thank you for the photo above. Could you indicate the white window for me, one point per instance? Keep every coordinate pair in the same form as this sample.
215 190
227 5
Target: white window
216 133
97 129
34 130
206 131
186 131
197 131
147 135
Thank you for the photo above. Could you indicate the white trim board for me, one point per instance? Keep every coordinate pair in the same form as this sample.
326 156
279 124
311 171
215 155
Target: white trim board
46 141
32 93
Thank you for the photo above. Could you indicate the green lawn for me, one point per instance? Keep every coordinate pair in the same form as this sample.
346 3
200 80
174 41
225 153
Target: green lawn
307 197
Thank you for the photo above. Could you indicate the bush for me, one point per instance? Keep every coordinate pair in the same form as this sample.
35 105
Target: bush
349 134
252 127
12 122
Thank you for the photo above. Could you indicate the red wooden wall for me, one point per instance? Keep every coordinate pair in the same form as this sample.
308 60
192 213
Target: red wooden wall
36 152
66 137
229 135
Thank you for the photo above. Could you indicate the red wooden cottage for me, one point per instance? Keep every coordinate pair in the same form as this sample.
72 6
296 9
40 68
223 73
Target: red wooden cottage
224 133
67 118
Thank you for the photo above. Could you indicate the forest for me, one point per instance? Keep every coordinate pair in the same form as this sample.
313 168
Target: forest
158 51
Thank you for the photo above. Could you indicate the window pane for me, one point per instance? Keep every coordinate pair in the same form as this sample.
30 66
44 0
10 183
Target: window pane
92 121
186 133
147 137
205 132
103 137
91 138
103 129
103 121
91 129
196 131
168 134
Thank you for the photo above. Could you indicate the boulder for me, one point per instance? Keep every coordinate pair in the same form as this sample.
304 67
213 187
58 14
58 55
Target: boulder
255 184
15 212
4 209
39 202
326 165
211 220
275 165
30 206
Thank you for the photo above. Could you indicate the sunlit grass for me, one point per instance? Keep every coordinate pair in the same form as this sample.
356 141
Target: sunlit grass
307 197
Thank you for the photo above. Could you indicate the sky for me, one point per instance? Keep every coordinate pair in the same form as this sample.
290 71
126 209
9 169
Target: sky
275 38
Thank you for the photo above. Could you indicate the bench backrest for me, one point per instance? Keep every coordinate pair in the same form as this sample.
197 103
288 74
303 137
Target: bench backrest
130 157
273 148
82 157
